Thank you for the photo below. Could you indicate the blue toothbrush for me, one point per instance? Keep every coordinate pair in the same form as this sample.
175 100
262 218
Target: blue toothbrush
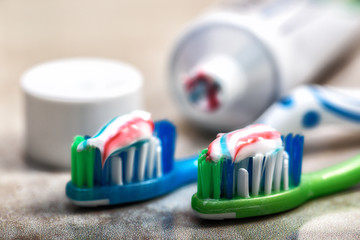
140 171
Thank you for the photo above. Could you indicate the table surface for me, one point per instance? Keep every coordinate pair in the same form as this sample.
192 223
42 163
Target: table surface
32 199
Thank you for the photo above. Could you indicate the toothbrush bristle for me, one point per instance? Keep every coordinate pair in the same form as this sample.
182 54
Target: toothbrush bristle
82 171
140 161
131 164
257 175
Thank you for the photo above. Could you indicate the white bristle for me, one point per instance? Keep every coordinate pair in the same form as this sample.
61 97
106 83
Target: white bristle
278 170
269 172
116 170
243 183
150 166
142 161
256 173
148 157
273 168
158 161
242 164
130 164
286 171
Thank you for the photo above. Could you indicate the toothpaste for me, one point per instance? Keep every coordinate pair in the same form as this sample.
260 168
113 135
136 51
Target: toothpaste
243 143
120 132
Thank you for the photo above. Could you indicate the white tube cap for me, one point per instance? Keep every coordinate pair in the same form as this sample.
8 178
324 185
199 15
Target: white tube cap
71 97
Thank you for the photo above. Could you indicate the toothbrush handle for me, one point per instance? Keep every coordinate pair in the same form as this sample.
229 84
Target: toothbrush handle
308 107
186 170
334 178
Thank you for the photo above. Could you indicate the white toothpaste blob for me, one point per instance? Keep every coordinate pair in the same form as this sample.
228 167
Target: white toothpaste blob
243 143
121 132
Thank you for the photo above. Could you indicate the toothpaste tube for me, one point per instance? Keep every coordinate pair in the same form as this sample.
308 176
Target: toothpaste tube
231 64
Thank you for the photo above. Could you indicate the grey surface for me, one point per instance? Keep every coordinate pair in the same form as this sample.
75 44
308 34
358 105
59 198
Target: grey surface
32 198
35 207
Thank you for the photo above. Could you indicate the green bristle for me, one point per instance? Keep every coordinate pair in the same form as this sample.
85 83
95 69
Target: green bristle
216 180
74 157
82 164
85 167
206 179
201 159
89 167
80 167
199 181
209 177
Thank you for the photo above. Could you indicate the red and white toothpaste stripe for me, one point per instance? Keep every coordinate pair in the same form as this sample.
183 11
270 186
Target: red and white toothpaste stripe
121 132
243 143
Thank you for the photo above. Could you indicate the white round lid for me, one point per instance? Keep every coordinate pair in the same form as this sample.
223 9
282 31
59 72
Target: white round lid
75 96
81 80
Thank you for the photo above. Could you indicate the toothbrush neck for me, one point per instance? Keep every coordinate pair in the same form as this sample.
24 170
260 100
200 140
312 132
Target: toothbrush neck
333 179
186 169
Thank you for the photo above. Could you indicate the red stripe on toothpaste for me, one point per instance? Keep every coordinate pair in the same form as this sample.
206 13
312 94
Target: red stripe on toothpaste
121 132
243 143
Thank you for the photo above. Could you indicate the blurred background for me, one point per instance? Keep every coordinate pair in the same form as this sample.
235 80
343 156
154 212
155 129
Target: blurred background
32 199
140 33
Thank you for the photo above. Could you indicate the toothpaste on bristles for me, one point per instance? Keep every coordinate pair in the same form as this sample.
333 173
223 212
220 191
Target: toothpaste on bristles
243 143
120 132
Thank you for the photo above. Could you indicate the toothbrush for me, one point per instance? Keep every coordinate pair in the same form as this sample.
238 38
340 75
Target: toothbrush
130 159
262 184
310 106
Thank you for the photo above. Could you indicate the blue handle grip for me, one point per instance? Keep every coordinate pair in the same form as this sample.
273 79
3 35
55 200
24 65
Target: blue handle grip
186 170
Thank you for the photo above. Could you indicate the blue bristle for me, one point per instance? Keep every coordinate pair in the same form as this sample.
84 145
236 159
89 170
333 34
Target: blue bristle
263 165
297 154
155 169
228 177
167 133
250 170
105 174
97 168
289 150
294 148
123 156
223 178
136 165
236 168
288 143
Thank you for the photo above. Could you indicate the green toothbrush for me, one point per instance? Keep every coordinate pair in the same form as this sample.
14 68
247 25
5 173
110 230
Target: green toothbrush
212 200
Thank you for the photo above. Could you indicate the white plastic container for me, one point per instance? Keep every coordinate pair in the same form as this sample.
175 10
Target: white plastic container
69 97
232 63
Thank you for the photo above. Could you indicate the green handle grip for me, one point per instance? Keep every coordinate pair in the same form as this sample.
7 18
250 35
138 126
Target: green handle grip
333 179
315 184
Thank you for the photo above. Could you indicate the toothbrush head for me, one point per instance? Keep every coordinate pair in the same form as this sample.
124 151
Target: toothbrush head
130 159
256 183
315 184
